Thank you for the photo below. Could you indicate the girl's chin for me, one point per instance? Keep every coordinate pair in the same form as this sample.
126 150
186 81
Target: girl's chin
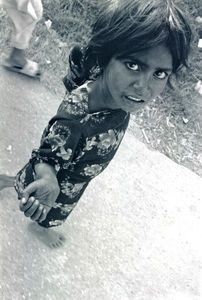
135 110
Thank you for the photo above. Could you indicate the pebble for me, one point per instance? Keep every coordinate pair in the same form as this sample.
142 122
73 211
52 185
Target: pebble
198 87
9 148
48 23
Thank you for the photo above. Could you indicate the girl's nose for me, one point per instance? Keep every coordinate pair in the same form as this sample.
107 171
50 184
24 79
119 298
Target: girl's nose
142 85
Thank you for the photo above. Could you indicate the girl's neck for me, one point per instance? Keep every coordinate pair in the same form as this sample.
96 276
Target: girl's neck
97 98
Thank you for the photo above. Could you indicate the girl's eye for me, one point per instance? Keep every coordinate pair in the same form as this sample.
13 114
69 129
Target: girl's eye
160 74
133 66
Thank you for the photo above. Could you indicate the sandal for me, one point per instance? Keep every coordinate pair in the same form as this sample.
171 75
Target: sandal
30 69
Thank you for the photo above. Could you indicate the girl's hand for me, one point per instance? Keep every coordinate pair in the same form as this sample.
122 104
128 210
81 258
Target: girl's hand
33 209
39 197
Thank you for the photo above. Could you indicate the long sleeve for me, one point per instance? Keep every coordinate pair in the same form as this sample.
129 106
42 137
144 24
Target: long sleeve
62 135
58 143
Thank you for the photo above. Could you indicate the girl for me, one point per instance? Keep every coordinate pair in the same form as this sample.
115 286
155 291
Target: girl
135 47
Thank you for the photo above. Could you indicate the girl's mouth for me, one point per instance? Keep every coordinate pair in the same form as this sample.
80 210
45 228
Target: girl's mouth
131 98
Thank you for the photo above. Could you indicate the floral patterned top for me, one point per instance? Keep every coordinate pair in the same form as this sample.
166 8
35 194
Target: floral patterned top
80 144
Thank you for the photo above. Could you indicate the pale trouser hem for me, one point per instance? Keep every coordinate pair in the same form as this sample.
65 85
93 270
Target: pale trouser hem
24 21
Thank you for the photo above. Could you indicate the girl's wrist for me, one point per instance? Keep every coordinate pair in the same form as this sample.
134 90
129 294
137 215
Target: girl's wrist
44 170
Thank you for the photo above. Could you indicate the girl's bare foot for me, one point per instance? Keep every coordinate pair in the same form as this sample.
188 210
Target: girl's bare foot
48 236
6 181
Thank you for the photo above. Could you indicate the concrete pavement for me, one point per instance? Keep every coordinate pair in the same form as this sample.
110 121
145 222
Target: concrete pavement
135 235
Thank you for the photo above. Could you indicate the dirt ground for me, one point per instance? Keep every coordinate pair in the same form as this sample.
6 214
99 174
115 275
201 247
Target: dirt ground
134 235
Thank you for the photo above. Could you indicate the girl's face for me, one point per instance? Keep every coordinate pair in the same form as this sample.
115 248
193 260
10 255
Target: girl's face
130 83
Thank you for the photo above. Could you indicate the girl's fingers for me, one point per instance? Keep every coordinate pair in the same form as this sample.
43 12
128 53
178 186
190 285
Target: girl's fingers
45 212
24 200
43 215
31 210
26 203
37 214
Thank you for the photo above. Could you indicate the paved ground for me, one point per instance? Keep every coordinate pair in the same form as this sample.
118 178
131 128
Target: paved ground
135 234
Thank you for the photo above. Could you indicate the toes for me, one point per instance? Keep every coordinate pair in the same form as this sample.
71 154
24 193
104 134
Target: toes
53 245
56 244
32 209
37 214
49 237
62 238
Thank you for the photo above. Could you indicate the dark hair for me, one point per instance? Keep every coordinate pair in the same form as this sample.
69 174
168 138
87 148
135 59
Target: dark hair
124 27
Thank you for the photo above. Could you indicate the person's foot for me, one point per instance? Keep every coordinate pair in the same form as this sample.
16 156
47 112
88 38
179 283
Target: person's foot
17 58
17 62
48 236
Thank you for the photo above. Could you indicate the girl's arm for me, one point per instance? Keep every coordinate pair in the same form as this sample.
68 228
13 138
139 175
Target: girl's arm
58 144
44 170
56 151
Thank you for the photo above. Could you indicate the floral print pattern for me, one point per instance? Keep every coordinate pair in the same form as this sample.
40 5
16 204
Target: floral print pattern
104 143
92 170
71 190
79 145
66 208
76 103
57 136
64 154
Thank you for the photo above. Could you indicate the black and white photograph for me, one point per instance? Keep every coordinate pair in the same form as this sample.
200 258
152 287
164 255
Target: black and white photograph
101 149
